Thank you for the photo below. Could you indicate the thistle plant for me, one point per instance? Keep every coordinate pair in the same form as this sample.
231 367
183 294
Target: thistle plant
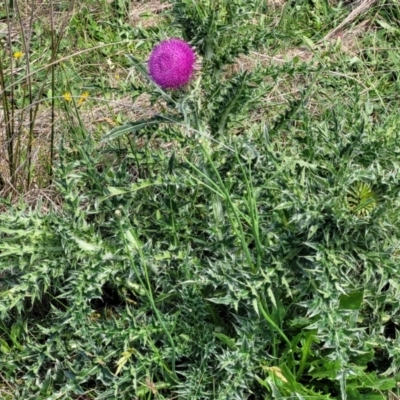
229 246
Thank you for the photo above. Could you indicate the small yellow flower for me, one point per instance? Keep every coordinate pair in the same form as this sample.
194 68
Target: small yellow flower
83 97
18 54
67 96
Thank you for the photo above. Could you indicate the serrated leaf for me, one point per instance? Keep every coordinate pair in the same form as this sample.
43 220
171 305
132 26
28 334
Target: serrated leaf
221 300
116 191
271 296
283 206
86 246
255 306
131 127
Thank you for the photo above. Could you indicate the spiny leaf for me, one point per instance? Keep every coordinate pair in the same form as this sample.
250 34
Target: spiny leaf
132 127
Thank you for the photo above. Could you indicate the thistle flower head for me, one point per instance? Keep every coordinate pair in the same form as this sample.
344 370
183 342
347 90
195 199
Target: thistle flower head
172 63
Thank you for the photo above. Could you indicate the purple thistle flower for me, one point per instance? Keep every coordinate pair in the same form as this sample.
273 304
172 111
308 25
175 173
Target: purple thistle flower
172 63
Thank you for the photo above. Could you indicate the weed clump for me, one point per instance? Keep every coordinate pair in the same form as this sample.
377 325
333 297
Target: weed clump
238 240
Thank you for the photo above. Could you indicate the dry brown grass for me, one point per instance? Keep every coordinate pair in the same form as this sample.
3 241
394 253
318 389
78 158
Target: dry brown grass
29 125
100 112
147 13
393 396
360 7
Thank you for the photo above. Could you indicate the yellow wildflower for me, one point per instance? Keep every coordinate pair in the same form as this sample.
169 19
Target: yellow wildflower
18 54
67 96
83 97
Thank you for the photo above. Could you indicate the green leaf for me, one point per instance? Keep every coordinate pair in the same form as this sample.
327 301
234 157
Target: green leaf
151 387
353 394
221 300
322 369
126 355
86 246
362 358
283 206
4 347
308 42
116 191
132 127
225 339
387 26
351 301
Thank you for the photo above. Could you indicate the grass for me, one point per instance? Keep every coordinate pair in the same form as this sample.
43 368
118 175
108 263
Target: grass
238 239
